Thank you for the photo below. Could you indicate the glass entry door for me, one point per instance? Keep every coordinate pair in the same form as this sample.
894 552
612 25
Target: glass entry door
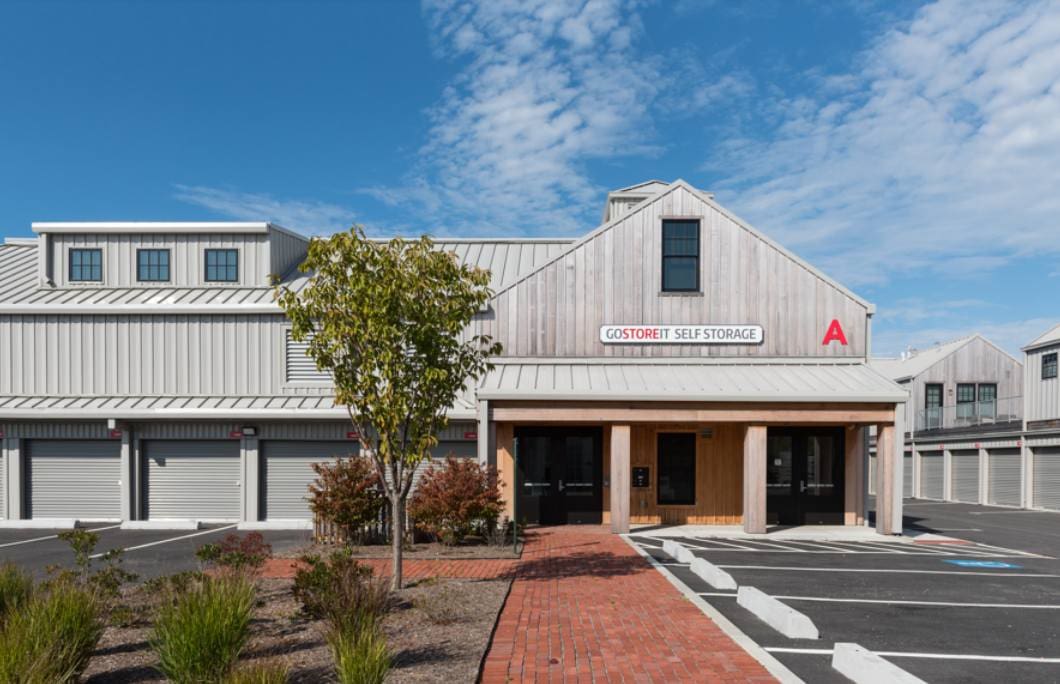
804 476
559 475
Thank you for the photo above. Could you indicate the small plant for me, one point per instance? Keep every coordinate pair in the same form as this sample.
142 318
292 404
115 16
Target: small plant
361 655
236 553
347 493
199 635
339 590
51 637
440 607
259 673
16 587
451 501
107 579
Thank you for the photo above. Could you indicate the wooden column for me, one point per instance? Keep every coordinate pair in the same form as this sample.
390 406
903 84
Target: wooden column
754 479
885 491
854 469
505 444
620 477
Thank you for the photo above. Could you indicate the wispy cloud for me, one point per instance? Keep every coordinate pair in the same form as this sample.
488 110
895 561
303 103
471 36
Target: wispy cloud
548 86
936 153
310 217
1010 335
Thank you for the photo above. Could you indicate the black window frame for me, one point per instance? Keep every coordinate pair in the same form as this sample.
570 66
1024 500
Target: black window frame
662 471
1049 361
140 265
966 386
206 265
927 394
979 392
664 256
98 251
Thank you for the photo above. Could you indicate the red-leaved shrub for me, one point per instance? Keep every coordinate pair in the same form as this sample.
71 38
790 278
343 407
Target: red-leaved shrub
347 493
452 500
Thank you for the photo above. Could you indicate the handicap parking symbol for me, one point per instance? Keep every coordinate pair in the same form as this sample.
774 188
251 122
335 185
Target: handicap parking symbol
997 565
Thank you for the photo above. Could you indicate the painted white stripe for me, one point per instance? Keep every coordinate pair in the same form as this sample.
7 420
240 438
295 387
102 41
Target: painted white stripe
779 545
171 539
795 568
905 654
725 543
54 536
902 602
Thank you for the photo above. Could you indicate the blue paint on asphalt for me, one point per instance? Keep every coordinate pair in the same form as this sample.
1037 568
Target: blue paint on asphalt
997 565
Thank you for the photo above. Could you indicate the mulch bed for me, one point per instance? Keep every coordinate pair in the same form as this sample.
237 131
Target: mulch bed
424 551
437 632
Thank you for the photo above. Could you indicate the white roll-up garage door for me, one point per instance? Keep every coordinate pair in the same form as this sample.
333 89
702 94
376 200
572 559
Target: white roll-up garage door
191 480
907 475
3 482
73 479
931 474
964 475
1047 478
1005 478
287 471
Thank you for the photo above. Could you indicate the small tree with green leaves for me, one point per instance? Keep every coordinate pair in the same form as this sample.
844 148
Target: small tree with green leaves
388 321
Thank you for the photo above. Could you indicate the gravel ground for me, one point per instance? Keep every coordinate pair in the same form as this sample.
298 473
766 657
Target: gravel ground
437 632
422 551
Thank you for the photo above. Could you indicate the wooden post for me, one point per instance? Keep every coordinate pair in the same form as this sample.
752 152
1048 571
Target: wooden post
885 452
754 479
854 469
505 444
620 479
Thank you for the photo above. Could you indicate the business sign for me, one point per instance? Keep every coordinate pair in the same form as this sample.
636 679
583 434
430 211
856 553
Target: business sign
681 334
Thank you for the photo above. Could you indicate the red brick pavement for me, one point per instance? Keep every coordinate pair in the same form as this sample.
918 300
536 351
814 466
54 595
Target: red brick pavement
584 607
277 568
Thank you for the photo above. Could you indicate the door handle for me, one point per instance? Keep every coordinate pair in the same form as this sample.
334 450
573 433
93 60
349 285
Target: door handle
802 486
561 485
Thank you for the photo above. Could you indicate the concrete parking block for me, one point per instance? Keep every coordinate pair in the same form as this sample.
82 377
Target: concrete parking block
712 574
862 666
781 617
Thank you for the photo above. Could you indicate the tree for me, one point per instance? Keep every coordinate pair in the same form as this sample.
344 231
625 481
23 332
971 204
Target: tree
387 320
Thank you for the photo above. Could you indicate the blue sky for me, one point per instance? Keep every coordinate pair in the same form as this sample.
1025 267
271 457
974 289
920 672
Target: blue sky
909 149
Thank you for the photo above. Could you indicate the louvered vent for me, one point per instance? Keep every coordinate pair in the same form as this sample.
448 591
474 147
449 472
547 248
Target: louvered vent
300 367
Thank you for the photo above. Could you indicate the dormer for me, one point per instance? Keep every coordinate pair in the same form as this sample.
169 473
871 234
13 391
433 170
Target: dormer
620 202
182 255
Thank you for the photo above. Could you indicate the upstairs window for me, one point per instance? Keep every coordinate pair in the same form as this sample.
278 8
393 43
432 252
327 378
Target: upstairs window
1048 366
988 400
86 265
677 468
152 265
680 256
222 265
965 400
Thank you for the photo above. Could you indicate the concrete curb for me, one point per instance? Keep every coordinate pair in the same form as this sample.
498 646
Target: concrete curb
781 617
161 525
677 552
712 574
862 666
40 524
276 525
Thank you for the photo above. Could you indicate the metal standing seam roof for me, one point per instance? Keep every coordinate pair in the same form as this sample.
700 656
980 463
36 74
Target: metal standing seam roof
1049 337
506 258
730 380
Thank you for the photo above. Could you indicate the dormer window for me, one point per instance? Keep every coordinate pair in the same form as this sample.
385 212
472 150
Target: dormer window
222 265
680 255
152 265
86 265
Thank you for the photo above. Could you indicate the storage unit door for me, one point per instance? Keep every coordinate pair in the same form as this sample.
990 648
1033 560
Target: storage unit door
931 474
191 480
287 471
73 479
1047 478
3 482
872 475
1006 481
965 476
907 475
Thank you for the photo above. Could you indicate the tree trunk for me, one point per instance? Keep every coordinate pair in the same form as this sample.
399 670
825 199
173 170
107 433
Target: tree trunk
397 539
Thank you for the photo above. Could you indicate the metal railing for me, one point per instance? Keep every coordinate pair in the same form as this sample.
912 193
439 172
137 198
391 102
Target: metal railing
970 414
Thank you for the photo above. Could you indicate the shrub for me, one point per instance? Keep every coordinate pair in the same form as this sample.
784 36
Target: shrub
107 579
200 633
261 673
342 592
451 501
15 589
236 553
51 637
441 607
361 655
347 493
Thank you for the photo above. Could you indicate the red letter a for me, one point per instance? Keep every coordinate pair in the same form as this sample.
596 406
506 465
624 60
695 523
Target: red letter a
835 332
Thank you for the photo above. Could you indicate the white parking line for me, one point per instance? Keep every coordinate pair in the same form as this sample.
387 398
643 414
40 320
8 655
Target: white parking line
902 602
55 536
790 568
937 656
171 539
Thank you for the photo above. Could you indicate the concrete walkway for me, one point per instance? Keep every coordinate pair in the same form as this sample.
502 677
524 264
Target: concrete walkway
584 607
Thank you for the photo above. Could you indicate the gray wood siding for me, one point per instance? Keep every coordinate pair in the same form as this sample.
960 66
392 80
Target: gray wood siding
144 355
186 258
976 362
615 278
1041 400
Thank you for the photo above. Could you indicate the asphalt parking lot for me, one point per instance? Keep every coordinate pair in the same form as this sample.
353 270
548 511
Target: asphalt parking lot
985 611
148 553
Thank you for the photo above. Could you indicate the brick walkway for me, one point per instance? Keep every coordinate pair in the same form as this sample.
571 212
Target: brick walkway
276 568
585 607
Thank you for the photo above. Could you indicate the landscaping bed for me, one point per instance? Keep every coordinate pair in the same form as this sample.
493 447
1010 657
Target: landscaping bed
437 632
470 550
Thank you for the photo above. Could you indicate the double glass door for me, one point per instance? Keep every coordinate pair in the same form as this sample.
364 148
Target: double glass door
804 476
559 475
